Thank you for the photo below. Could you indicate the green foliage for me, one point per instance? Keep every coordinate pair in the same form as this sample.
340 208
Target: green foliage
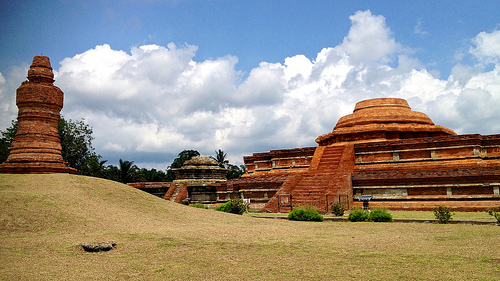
305 213
443 214
76 142
235 206
220 157
235 171
152 175
380 215
6 139
358 215
495 214
182 157
337 209
198 205
128 171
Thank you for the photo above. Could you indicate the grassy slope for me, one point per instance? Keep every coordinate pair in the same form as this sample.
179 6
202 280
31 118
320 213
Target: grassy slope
44 219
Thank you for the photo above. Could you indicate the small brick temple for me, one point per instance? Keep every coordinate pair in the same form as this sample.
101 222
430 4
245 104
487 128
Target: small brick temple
383 149
36 148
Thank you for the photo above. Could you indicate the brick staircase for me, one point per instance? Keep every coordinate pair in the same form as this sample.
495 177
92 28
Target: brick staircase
330 159
322 183
176 193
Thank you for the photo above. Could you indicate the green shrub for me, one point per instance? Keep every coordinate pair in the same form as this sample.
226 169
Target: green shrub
305 213
337 209
380 215
235 206
198 205
495 214
358 215
443 214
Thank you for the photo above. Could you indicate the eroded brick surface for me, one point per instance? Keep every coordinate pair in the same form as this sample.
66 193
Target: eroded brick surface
36 148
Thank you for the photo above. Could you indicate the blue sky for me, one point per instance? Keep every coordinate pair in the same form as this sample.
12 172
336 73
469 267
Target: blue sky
250 76
254 31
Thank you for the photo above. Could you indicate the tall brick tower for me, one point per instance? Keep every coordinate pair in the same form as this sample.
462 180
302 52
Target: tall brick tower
36 148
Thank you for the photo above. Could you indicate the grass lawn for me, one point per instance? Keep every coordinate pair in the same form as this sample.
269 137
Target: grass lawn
45 218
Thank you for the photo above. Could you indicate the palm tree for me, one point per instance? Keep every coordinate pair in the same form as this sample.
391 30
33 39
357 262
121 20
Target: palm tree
150 175
128 171
220 157
95 167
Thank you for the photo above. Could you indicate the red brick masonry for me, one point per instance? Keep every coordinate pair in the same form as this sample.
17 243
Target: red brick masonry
36 148
383 149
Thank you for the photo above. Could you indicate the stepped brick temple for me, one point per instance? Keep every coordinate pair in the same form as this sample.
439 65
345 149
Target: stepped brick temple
197 180
199 176
383 149
36 148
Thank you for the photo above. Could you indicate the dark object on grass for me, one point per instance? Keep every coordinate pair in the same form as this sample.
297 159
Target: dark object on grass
103 246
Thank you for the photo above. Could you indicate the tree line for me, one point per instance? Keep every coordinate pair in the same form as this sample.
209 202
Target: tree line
78 152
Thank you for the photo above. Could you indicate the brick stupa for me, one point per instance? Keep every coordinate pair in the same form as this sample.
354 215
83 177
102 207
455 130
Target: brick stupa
36 148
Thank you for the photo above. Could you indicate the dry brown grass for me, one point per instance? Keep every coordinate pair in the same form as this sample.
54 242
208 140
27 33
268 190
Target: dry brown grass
44 219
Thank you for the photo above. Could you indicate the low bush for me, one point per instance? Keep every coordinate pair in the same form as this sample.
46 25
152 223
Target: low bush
443 214
358 215
495 214
234 206
380 215
337 209
305 213
198 205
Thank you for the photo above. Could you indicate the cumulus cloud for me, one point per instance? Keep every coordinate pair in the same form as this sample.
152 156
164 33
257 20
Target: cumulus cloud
486 48
150 103
369 39
8 85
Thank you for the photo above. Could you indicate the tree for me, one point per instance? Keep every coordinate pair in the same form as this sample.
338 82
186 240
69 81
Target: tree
220 157
177 163
235 171
128 171
152 175
6 140
76 143
95 167
112 173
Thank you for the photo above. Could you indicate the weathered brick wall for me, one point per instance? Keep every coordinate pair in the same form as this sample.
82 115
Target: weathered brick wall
155 188
278 160
36 148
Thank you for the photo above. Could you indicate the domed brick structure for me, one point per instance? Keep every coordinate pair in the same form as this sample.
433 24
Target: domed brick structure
383 149
36 148
382 119
200 175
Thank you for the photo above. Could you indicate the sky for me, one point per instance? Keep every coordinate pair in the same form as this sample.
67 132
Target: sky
153 78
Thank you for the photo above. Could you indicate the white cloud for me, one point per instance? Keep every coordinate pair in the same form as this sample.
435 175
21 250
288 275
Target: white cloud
369 39
486 48
152 103
8 86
